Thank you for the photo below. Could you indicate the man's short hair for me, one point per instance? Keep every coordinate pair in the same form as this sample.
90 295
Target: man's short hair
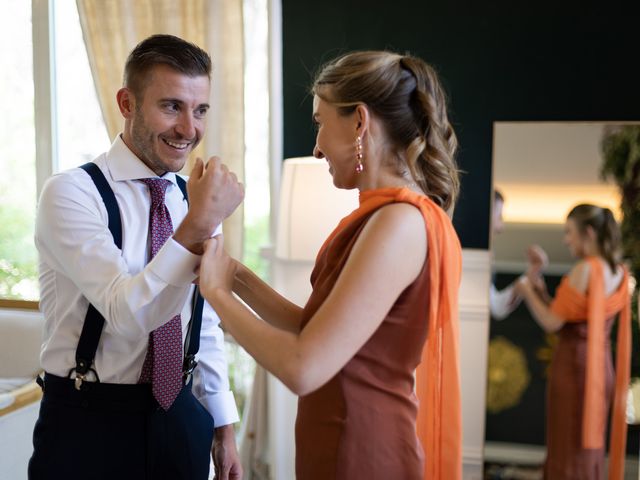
162 49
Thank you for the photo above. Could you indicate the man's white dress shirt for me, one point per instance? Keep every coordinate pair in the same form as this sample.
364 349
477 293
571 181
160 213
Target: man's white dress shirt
503 302
80 264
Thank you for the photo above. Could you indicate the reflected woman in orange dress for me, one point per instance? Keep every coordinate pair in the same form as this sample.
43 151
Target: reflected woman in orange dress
385 284
583 388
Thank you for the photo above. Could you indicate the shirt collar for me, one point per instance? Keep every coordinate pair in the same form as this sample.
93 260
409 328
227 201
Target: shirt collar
124 165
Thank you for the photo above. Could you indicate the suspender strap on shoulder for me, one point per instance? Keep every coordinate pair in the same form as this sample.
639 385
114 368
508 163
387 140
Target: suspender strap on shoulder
109 199
183 186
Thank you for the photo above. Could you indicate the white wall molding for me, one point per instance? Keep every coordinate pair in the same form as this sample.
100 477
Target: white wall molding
474 337
472 463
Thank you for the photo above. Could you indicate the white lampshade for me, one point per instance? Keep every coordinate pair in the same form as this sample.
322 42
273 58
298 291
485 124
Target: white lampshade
310 208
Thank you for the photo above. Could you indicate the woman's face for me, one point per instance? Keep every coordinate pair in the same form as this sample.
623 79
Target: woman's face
573 239
336 142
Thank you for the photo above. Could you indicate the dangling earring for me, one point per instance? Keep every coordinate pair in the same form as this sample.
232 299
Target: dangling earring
359 156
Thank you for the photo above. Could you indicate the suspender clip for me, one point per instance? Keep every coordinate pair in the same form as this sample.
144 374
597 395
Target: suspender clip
188 366
81 370
78 380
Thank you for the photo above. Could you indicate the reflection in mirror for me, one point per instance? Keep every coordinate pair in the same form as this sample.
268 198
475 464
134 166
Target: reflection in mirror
542 170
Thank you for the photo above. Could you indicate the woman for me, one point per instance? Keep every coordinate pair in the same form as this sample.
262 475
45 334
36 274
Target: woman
384 281
581 381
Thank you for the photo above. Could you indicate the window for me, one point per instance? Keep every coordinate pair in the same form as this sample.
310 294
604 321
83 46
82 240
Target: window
18 276
80 137
256 213
81 132
256 101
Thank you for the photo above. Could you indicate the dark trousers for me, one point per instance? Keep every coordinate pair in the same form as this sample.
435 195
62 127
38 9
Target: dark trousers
112 431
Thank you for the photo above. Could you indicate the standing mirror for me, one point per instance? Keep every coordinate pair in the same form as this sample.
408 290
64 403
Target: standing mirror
542 170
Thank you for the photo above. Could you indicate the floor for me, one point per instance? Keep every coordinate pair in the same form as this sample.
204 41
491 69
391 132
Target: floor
505 461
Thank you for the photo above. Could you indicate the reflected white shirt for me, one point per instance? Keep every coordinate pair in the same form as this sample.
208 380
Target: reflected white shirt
79 263
503 302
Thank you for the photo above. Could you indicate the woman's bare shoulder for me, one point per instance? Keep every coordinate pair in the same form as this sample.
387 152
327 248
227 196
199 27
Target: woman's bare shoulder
579 276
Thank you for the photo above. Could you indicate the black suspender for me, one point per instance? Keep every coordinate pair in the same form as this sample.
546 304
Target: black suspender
192 345
94 321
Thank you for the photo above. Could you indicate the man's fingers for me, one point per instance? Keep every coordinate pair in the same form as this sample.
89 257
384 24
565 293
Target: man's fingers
208 244
219 239
223 474
213 162
198 168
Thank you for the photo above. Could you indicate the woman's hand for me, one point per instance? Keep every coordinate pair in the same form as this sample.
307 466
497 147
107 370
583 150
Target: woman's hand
522 285
217 269
537 281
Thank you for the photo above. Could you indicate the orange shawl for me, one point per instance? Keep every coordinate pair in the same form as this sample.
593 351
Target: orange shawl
594 308
439 421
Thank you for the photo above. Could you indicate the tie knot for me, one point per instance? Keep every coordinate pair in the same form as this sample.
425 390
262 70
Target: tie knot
157 188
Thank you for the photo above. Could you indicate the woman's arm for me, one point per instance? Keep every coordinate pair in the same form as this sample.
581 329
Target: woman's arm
265 301
387 257
539 309
540 287
578 279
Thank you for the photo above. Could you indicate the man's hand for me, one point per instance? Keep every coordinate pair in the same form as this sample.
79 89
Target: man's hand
225 454
214 193
537 259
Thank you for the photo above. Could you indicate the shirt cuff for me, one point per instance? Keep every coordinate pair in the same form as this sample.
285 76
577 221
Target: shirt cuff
174 264
222 407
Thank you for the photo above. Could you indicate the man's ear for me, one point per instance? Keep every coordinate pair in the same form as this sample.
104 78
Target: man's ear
126 102
363 119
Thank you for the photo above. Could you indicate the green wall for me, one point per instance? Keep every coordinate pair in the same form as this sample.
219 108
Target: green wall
499 61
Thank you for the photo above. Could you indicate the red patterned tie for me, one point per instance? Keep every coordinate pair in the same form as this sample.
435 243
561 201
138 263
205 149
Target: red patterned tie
163 363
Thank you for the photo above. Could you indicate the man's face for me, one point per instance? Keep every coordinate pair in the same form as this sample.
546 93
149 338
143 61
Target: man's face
167 119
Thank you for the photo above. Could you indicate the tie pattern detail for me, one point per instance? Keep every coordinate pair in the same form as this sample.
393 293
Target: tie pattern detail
163 363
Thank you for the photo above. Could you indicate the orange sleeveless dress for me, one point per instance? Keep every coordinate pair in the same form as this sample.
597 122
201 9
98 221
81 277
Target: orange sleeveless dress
362 423
582 386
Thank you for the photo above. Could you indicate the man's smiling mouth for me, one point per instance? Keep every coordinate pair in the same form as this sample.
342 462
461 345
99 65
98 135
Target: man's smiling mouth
177 145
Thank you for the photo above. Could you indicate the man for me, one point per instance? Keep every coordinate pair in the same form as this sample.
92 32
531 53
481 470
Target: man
134 414
503 302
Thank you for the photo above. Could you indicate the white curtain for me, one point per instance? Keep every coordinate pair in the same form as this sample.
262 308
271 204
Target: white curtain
254 435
